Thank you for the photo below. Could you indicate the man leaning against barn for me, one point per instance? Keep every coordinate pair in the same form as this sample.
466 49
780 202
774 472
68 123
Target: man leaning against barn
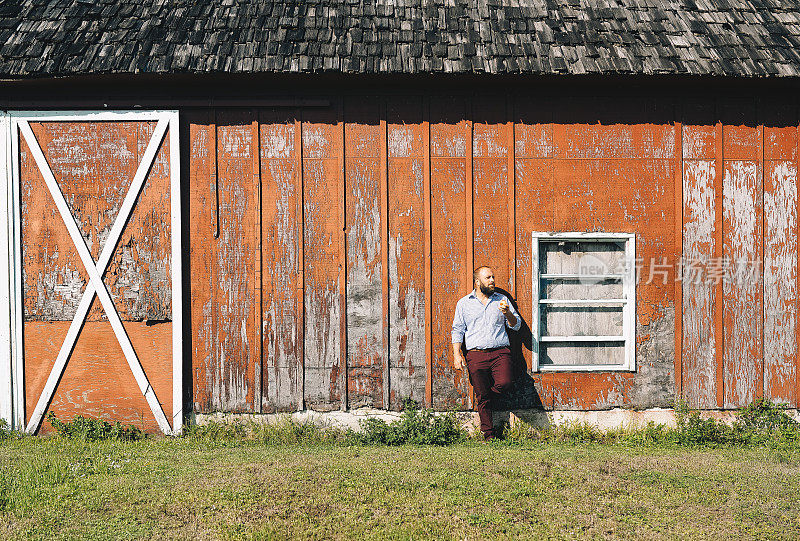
480 324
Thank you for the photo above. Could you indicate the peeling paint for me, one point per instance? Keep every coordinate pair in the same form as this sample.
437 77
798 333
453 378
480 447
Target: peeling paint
699 294
742 291
780 281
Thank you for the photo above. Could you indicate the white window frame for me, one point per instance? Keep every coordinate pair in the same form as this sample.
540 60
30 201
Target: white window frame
628 302
12 379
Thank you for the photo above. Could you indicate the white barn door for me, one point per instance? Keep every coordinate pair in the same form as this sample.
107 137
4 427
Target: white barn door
94 267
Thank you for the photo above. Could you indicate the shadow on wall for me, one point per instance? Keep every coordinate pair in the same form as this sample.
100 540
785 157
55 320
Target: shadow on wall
523 394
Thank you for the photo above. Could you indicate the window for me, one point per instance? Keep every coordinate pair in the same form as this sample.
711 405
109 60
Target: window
584 302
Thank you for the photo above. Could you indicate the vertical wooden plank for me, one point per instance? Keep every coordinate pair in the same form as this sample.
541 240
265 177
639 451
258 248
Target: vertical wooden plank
449 245
281 327
780 254
342 197
323 275
491 190
699 295
365 345
257 279
743 245
300 221
384 240
469 206
202 248
700 245
470 209
237 338
796 131
409 250
761 194
534 196
719 230
679 175
511 173
428 211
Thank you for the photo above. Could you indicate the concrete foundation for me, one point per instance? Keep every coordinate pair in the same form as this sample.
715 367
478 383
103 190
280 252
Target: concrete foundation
534 418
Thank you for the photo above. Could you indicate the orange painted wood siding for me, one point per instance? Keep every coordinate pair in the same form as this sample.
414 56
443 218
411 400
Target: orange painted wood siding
497 168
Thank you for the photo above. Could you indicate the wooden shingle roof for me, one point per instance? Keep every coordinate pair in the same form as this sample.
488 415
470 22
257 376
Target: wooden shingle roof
740 38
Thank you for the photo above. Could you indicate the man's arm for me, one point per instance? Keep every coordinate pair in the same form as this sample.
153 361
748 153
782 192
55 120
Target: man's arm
459 328
458 356
513 321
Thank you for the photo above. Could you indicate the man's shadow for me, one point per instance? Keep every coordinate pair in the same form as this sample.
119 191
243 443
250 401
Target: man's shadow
523 395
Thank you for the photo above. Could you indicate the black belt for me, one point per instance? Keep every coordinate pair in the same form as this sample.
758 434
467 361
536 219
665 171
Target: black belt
489 349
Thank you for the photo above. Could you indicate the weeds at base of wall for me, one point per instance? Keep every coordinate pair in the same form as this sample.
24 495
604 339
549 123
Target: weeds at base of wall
762 423
286 431
6 432
88 429
415 426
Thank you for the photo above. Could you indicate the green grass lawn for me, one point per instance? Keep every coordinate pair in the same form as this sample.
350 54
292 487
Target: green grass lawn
178 488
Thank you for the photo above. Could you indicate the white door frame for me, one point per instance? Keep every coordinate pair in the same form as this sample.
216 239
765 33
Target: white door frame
14 126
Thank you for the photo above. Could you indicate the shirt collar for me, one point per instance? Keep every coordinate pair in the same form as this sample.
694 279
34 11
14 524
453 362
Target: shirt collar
473 295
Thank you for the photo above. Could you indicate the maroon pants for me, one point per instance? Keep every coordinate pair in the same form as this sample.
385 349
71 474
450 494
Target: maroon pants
490 374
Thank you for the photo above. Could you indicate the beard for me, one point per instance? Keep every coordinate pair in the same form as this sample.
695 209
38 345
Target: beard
487 290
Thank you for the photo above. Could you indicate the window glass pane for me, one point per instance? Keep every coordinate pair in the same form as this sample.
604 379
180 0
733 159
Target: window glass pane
581 320
580 288
582 353
577 257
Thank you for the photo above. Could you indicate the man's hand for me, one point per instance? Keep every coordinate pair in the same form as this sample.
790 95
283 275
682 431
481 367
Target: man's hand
506 311
458 357
504 307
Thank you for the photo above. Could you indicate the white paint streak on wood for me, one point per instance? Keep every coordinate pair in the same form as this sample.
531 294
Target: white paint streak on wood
322 346
533 141
364 288
698 298
406 291
447 143
282 379
230 380
316 143
742 291
401 141
780 281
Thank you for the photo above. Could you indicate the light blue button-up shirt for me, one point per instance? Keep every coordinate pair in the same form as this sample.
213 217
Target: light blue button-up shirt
482 326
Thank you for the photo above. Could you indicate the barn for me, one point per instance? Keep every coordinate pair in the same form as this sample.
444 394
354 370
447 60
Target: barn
261 206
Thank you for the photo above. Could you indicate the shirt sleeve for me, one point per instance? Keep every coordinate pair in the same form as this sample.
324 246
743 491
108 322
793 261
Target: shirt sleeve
459 326
518 324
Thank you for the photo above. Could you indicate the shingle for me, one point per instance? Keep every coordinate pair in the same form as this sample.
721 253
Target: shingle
706 37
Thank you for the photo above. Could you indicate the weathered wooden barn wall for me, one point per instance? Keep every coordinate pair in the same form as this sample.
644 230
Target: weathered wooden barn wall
329 244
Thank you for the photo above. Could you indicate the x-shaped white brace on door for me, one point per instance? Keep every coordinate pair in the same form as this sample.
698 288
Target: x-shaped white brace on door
95 272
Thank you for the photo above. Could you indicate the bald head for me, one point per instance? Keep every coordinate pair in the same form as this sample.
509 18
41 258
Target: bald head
483 279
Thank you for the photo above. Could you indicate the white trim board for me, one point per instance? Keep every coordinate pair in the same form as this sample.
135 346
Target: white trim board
6 266
167 124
